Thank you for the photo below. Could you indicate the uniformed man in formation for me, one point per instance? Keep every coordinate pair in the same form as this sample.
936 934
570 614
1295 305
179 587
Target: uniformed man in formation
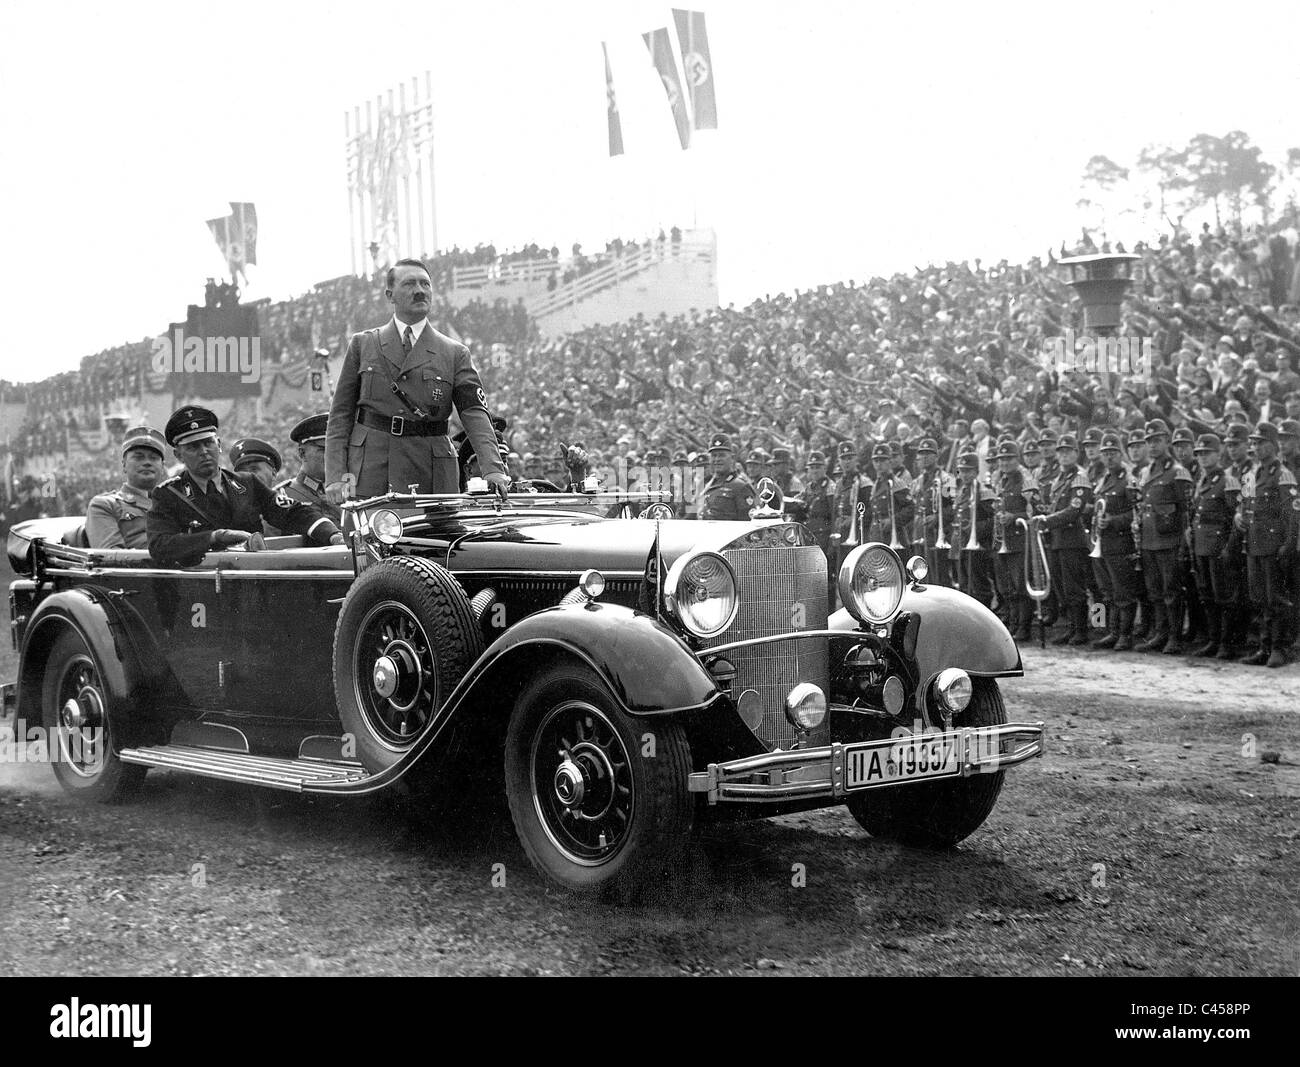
1068 499
972 532
933 496
819 501
119 519
1214 504
891 500
1269 515
1017 499
1113 541
852 504
1163 498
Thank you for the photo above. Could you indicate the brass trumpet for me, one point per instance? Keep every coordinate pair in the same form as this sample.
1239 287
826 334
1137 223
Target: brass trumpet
855 526
940 541
973 544
1098 517
894 542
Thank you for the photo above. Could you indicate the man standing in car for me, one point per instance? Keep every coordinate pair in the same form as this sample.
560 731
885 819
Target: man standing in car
388 421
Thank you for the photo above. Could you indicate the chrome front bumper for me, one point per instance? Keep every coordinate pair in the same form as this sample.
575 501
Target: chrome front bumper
820 773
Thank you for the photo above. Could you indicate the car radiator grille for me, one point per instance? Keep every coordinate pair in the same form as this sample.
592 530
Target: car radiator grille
773 584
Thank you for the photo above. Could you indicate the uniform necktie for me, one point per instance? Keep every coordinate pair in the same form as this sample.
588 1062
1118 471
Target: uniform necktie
409 341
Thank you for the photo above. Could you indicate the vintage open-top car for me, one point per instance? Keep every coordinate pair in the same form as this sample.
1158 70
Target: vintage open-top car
623 677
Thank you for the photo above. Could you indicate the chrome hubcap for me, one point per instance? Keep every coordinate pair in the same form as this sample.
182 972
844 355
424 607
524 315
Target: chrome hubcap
385 676
396 677
569 784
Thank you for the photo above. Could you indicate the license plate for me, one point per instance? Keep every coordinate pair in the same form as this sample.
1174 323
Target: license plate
907 760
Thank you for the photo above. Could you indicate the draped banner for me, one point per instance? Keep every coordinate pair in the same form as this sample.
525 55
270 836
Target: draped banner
697 67
236 236
661 52
611 105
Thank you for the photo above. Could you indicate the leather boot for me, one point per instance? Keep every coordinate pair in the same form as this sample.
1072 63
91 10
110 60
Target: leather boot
1261 656
1159 631
1079 635
1024 615
1125 642
1213 632
1068 625
1142 628
1277 658
1230 641
1108 639
1174 645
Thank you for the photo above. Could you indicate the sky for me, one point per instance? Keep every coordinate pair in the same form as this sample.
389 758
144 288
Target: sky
854 139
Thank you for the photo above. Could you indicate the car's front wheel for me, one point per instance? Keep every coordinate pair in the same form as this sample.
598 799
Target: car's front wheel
599 798
938 814
78 735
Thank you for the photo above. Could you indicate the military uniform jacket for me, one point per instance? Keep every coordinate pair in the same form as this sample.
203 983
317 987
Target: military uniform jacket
1018 497
852 492
1068 501
183 516
436 375
309 491
932 490
1270 508
987 505
1115 490
119 519
898 486
1164 500
727 497
819 501
1217 494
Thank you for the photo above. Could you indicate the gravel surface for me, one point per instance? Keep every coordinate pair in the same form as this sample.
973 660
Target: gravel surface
1158 836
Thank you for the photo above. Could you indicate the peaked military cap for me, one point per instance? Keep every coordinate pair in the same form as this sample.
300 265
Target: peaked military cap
144 437
312 428
190 423
249 450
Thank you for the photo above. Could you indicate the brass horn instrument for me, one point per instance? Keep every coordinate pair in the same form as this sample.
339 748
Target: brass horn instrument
894 542
973 544
940 541
1038 579
855 526
1098 517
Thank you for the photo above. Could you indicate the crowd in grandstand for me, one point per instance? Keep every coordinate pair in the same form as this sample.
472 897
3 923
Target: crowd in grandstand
953 354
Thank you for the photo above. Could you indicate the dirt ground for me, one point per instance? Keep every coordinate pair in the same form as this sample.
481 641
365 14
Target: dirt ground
1157 836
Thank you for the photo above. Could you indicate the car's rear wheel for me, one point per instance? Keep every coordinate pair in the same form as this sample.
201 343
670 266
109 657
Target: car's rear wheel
78 732
405 638
938 814
599 798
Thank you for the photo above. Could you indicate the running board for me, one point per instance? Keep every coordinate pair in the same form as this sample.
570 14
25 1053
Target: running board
290 774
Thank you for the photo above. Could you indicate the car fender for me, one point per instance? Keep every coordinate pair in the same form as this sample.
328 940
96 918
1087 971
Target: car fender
648 668
953 630
116 637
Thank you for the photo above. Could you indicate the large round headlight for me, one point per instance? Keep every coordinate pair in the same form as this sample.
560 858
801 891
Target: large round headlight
700 590
387 526
871 583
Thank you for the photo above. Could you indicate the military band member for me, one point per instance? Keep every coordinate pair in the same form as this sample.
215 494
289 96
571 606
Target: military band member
933 493
1051 466
891 501
1066 502
756 465
852 502
1181 446
1236 446
1269 515
1093 464
1113 496
728 495
119 519
205 507
1214 502
1017 499
308 485
975 504
819 502
782 474
1164 502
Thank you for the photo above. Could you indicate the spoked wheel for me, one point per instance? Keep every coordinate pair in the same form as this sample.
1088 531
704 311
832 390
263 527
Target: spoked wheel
74 713
395 673
405 638
599 799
